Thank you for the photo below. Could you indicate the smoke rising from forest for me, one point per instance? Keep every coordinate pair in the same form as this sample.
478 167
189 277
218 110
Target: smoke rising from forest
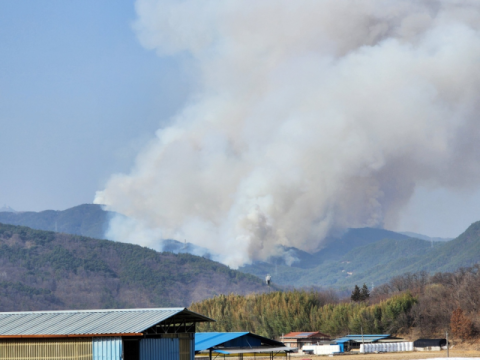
309 117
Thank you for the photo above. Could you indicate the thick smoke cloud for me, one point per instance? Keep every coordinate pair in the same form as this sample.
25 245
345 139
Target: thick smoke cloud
310 117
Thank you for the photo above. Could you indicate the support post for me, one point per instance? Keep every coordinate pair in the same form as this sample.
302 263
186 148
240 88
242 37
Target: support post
448 355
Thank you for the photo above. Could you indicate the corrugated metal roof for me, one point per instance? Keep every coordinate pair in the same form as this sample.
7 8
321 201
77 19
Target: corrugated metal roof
212 340
205 341
358 338
84 322
302 335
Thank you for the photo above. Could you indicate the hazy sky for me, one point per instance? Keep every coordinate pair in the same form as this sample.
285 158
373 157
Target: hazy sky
79 97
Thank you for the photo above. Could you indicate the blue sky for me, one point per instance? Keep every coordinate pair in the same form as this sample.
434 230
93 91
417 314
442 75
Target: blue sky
78 97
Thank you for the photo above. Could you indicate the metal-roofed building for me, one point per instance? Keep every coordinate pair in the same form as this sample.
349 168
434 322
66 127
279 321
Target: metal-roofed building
350 342
237 343
127 334
299 339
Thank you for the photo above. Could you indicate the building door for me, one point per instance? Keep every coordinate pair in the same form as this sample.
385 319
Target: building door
131 349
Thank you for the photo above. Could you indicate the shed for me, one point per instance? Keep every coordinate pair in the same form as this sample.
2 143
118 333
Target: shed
299 339
127 334
237 343
429 344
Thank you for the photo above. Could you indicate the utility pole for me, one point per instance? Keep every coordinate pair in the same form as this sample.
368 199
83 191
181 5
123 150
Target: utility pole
448 355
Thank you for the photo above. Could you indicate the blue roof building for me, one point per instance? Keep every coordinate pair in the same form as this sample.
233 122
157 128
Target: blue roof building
237 343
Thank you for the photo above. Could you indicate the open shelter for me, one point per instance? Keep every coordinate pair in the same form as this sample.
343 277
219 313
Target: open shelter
239 344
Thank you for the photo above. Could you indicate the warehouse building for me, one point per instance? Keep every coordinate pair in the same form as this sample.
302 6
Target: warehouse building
127 334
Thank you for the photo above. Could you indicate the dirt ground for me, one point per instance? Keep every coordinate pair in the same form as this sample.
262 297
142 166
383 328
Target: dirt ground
454 353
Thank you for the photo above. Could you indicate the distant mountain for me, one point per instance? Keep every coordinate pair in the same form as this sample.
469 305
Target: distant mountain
86 220
355 256
460 252
41 270
6 208
372 256
424 237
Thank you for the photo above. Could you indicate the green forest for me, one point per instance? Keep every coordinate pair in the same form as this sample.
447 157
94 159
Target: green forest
418 304
44 270
277 313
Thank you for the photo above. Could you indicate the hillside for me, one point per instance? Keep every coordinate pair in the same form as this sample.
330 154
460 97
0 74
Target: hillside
357 256
355 251
376 261
86 220
47 270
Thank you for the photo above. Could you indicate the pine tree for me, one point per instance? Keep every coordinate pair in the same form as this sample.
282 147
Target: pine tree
356 294
365 293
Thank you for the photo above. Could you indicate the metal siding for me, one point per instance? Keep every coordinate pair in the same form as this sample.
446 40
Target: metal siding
156 349
51 349
107 348
192 347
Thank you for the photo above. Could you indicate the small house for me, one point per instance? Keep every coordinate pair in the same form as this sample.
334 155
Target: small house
300 339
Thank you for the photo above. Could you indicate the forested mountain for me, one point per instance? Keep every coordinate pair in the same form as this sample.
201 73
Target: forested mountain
48 270
363 256
87 220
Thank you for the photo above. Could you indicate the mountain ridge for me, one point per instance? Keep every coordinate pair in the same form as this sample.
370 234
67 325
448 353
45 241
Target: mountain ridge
86 220
357 255
44 270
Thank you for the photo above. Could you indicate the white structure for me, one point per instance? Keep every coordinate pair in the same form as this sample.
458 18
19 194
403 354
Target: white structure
386 347
322 349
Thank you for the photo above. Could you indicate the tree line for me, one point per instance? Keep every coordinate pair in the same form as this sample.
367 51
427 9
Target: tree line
420 304
277 313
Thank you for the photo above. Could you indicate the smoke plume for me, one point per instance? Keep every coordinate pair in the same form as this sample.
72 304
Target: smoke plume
311 116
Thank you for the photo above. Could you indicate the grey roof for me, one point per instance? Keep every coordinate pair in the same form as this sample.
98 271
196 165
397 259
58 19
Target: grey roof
89 322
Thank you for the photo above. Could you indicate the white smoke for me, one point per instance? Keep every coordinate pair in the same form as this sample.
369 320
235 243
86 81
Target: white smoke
311 116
